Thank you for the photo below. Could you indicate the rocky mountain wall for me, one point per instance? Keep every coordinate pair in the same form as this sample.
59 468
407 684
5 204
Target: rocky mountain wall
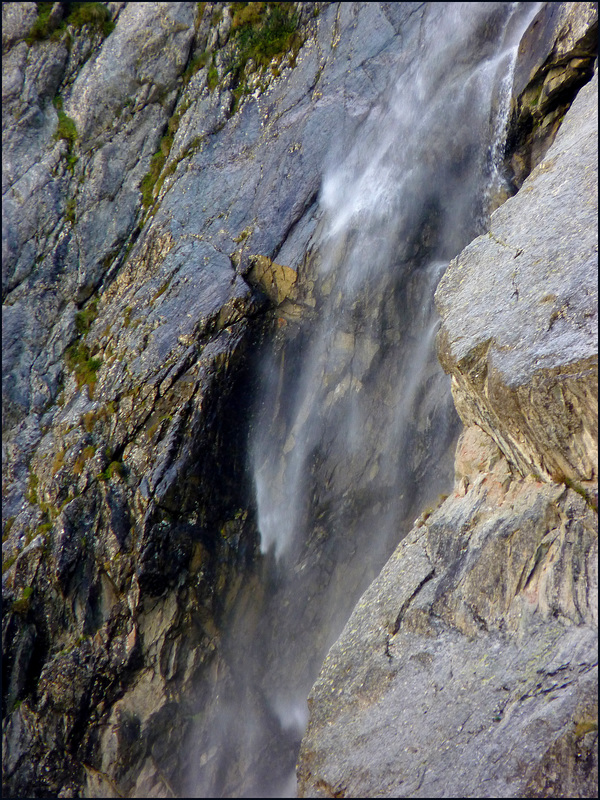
125 328
469 667
161 170
151 153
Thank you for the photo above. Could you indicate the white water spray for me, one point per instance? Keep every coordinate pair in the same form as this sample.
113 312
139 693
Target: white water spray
413 187
356 427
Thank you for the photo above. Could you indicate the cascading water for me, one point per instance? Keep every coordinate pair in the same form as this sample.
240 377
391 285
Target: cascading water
355 426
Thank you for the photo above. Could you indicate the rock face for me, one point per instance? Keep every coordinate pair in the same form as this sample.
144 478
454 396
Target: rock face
556 58
522 346
146 154
149 151
161 167
469 667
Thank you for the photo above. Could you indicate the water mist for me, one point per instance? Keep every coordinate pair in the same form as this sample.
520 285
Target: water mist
354 430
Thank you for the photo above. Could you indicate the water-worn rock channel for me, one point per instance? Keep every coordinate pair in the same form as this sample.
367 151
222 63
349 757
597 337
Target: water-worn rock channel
247 461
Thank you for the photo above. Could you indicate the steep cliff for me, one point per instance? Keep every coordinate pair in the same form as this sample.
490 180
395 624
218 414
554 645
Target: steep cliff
469 667
148 150
163 226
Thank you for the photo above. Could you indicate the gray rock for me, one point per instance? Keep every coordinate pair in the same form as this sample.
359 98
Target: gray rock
130 63
559 31
128 328
522 345
555 59
104 448
433 687
17 19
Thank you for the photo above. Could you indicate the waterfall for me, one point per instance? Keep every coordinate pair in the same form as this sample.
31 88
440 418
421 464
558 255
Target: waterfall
355 428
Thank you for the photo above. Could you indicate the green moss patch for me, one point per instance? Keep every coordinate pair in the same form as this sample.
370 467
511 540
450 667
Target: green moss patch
44 26
32 496
263 32
84 319
95 15
212 80
22 605
114 468
197 63
8 562
7 526
80 362
66 129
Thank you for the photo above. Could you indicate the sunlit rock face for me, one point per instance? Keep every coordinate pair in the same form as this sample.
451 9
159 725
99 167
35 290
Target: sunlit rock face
469 666
523 348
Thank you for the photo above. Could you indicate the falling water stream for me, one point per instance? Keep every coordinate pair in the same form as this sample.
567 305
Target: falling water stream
355 428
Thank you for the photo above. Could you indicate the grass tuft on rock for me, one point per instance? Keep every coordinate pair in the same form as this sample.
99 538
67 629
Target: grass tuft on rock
66 128
84 319
96 15
114 468
51 26
263 32
80 362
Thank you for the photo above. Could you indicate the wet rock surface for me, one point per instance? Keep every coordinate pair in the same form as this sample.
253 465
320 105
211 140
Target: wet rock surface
143 165
469 666
556 58
126 332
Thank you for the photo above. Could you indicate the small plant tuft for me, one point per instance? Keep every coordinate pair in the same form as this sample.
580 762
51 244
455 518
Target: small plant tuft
212 80
58 461
66 128
7 526
84 319
70 210
148 183
52 26
80 362
44 26
95 15
114 468
8 562
87 453
196 64
32 495
263 32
